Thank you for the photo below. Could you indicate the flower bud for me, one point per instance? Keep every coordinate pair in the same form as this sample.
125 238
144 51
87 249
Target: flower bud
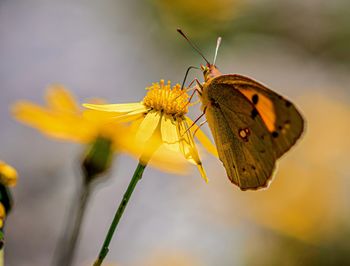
97 159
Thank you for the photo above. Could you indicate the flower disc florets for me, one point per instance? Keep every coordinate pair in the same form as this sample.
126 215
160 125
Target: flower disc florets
172 101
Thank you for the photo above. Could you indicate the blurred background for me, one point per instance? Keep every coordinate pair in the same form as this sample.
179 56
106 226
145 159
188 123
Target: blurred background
114 49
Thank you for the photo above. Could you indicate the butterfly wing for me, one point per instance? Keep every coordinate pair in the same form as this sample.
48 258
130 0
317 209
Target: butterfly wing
244 143
281 117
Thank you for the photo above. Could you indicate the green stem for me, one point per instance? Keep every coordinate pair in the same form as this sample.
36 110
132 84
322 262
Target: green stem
2 263
72 229
136 177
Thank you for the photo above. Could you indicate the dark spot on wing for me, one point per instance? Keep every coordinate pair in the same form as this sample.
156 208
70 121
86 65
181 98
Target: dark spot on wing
214 103
280 127
286 125
254 113
288 103
244 133
253 167
262 151
255 98
275 134
243 169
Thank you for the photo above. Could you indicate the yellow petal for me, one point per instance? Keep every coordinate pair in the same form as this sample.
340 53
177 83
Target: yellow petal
117 108
60 99
32 115
204 140
129 117
185 143
188 147
2 216
148 126
150 152
57 125
202 172
98 115
169 133
169 161
106 117
8 174
162 159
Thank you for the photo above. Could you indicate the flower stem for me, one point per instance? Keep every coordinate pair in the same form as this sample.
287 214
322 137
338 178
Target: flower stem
136 177
2 257
72 229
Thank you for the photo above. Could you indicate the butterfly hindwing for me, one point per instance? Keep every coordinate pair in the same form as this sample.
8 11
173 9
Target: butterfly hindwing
243 141
284 122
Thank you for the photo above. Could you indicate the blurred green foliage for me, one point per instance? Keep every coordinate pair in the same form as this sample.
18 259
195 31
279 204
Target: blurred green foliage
320 29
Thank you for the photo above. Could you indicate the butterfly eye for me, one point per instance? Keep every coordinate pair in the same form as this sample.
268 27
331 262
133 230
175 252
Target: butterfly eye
205 71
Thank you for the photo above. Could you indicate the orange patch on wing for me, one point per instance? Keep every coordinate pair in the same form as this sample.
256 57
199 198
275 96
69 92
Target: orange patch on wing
264 107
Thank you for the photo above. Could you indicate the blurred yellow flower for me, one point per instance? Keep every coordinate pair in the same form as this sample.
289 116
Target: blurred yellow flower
2 215
162 113
8 177
8 174
161 257
62 118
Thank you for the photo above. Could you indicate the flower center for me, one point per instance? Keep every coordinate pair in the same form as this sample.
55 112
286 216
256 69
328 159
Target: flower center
161 97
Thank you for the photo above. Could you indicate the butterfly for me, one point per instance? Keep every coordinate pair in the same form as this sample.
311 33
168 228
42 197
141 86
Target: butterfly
252 125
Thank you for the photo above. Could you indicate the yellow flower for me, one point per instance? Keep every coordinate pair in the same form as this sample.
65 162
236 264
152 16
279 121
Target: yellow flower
162 113
8 177
2 215
177 257
8 174
63 119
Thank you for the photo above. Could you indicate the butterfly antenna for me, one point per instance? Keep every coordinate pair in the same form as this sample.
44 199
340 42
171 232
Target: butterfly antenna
193 45
218 43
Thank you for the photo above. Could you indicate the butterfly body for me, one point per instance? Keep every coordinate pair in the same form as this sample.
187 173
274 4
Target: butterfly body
252 126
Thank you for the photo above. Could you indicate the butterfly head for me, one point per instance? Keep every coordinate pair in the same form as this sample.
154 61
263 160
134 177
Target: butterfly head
210 71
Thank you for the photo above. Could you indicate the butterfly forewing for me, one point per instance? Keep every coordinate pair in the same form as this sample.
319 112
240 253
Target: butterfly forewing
283 121
244 142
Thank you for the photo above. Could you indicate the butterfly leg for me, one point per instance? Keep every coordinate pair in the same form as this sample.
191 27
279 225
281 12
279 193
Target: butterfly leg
190 99
195 89
198 84
195 121
200 125
187 71
192 94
